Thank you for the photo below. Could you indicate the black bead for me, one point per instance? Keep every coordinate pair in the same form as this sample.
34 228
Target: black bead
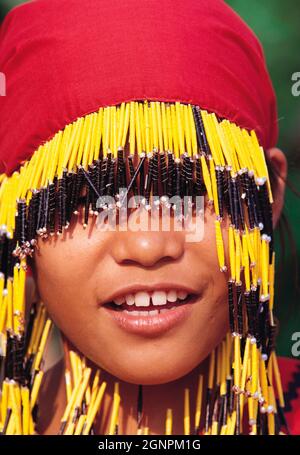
46 209
71 187
163 173
21 230
199 187
32 215
41 209
178 178
98 173
19 374
52 207
186 177
267 215
235 200
248 199
155 174
220 188
61 203
251 312
200 131
104 175
121 171
93 177
87 205
110 186
142 177
230 394
258 218
148 180
240 205
171 175
239 306
231 308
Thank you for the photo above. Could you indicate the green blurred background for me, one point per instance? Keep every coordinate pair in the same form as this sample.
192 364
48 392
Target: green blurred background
277 24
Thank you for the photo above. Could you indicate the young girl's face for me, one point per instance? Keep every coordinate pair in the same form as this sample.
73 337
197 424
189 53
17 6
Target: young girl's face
79 273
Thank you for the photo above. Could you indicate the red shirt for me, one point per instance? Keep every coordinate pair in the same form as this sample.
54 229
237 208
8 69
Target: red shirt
290 376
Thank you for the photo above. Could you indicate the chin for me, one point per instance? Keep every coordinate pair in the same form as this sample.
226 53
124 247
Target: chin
153 378
148 373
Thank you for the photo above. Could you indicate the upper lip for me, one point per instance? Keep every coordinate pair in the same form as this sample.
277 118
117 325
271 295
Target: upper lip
134 288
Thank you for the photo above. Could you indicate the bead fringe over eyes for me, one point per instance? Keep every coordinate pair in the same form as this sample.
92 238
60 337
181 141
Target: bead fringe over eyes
153 150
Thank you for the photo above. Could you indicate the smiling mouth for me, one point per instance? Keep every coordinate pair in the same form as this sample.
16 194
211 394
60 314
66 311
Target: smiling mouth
151 313
149 304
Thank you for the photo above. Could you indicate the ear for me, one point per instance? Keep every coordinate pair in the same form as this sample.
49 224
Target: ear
278 162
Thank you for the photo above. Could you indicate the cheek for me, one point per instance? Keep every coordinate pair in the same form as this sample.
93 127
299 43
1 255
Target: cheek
211 316
211 322
63 274
65 264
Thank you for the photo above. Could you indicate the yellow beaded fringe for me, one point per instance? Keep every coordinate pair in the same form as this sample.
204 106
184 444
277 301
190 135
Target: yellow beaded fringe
147 127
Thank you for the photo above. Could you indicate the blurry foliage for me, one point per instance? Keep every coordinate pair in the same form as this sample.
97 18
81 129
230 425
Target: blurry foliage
6 5
276 23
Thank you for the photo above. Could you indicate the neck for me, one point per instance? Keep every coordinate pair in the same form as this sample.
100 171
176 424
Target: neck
156 400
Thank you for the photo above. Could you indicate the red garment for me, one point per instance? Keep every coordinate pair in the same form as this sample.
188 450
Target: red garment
66 58
290 377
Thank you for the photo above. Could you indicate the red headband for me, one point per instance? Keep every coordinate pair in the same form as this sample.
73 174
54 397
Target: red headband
65 58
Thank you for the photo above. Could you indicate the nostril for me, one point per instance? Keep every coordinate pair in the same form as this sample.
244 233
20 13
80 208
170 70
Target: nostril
129 262
149 262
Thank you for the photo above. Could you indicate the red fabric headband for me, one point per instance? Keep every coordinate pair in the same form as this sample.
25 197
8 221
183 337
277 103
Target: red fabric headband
66 58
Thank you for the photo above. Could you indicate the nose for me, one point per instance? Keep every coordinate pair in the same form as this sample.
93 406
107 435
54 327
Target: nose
147 249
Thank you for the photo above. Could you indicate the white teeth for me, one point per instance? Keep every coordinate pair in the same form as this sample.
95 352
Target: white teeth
142 299
159 298
153 312
130 299
172 296
156 298
143 313
134 313
119 301
182 295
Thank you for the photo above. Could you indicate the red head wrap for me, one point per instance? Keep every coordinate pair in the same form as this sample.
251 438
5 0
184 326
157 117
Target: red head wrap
65 58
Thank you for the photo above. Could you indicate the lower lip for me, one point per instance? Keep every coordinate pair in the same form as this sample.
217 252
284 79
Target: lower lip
151 325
